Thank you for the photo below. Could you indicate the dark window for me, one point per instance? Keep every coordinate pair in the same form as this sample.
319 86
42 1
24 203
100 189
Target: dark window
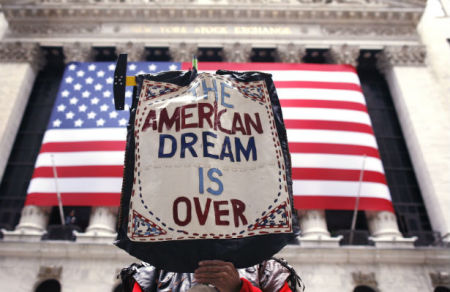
339 222
317 56
441 289
159 54
210 55
363 288
19 169
263 55
49 286
400 176
105 54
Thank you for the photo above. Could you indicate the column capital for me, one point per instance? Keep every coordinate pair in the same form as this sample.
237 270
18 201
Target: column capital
237 52
135 51
384 230
78 52
344 54
313 226
183 52
366 279
291 53
392 56
21 52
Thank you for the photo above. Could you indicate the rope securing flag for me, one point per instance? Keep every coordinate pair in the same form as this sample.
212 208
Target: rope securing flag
328 128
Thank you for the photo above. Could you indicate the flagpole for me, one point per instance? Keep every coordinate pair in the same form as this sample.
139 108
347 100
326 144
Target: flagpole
58 195
358 195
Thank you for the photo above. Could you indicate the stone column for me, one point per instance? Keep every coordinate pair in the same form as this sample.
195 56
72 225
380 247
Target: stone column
78 52
102 226
237 52
19 64
384 230
343 54
291 53
314 230
135 51
183 52
422 110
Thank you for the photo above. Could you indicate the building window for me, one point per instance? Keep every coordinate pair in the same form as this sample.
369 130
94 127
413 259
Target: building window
263 55
19 169
210 55
363 288
406 196
441 289
157 54
51 285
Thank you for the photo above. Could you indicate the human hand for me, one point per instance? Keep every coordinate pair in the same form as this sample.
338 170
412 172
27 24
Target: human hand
223 275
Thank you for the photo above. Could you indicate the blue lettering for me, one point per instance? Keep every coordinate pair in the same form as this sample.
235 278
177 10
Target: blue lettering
251 149
207 144
207 89
224 94
162 139
226 149
188 145
211 172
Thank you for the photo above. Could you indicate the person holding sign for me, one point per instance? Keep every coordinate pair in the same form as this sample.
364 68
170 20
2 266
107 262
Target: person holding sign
273 275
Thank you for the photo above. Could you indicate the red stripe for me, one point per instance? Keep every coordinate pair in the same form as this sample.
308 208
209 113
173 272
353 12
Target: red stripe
74 199
83 146
327 125
333 149
80 171
317 84
341 203
269 67
336 174
323 104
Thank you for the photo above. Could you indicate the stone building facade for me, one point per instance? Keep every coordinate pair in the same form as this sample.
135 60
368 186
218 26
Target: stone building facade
406 41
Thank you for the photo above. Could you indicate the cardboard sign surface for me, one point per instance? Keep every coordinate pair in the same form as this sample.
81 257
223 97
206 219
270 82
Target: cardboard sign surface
208 162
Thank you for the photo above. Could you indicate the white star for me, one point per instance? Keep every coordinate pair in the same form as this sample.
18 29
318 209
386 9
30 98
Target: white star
173 67
85 94
113 115
73 100
141 72
107 93
77 86
100 122
69 79
65 93
89 80
80 73
91 115
122 122
61 107
95 100
72 67
109 80
100 73
70 115
91 67
132 67
78 123
111 67
98 86
152 67
104 107
57 123
127 107
82 108
128 94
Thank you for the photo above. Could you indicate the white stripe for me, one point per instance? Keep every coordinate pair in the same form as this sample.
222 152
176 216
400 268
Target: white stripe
339 189
309 75
321 94
335 161
325 114
81 158
334 137
76 185
83 135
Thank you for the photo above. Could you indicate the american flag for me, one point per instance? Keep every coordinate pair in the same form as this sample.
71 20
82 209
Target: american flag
329 132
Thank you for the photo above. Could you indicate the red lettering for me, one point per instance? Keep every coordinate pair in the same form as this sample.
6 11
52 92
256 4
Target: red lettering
219 124
237 124
164 119
185 116
150 121
238 212
256 125
219 213
175 209
205 115
202 216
